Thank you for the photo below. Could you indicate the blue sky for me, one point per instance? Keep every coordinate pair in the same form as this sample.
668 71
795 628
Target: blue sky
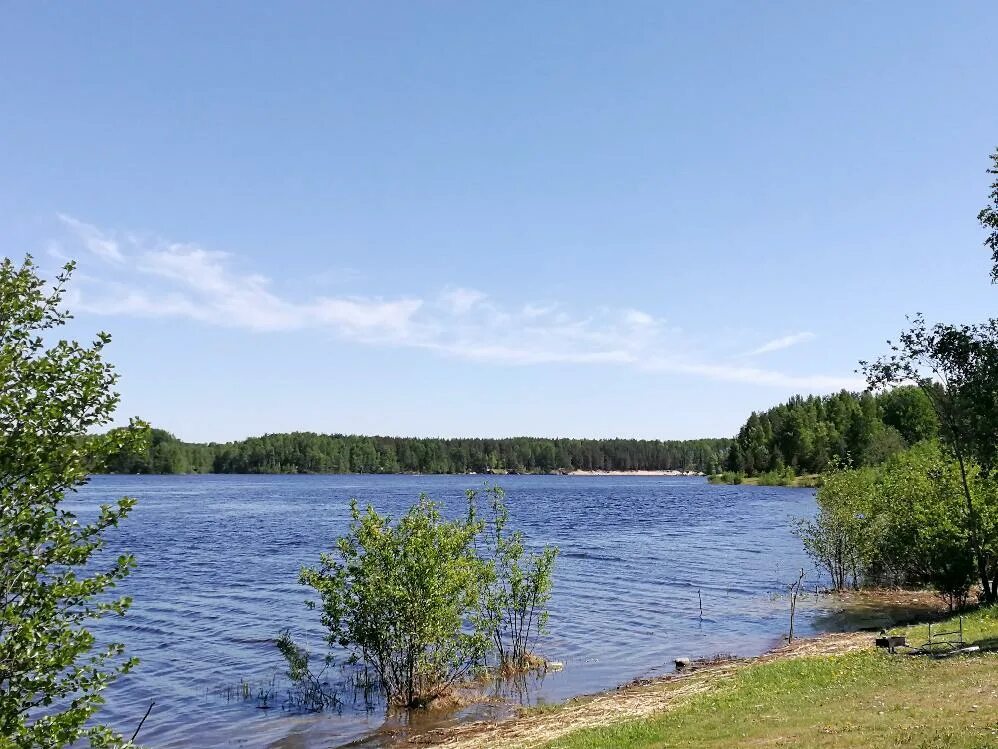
461 218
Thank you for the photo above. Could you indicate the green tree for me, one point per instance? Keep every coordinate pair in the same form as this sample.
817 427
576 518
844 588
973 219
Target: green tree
841 538
404 598
911 413
921 516
52 586
956 367
989 218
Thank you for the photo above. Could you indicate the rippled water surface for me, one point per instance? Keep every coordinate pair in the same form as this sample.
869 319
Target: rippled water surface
219 555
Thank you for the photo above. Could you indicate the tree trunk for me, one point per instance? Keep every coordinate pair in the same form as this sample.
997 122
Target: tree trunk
972 538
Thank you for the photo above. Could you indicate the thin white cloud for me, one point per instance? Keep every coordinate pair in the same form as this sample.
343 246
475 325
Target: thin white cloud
778 344
756 376
94 239
182 280
459 300
154 278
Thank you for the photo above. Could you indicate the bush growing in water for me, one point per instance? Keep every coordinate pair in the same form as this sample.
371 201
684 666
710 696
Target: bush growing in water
404 597
519 586
903 524
840 537
423 601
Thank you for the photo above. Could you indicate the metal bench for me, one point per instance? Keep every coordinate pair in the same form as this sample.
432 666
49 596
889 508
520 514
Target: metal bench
944 641
940 644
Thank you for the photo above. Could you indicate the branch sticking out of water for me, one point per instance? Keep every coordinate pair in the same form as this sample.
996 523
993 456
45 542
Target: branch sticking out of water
141 722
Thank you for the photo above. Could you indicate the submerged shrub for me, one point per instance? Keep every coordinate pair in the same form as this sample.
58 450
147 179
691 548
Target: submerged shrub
309 690
519 588
426 602
404 597
839 538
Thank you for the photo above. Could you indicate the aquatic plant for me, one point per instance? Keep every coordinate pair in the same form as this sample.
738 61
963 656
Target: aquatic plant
309 692
404 597
515 599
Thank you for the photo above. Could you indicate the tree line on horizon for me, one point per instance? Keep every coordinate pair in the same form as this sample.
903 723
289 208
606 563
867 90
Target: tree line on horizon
804 435
308 452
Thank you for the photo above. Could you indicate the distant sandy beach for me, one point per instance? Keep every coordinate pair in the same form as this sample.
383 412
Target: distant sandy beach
632 473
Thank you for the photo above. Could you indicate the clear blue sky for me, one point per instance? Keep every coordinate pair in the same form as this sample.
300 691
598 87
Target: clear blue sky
463 218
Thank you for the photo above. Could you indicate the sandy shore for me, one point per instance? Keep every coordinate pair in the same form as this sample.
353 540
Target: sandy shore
632 473
866 611
638 699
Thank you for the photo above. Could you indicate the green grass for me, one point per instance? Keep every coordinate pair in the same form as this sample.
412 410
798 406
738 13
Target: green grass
863 699
772 478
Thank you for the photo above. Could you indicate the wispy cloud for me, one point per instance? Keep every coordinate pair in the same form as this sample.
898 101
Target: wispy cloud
169 279
93 238
157 278
461 300
778 344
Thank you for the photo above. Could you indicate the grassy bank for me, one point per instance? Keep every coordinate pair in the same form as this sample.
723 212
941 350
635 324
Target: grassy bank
830 692
772 478
858 699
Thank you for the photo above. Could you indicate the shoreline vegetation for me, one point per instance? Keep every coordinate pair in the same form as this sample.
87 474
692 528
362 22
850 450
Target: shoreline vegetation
770 478
833 690
788 445
630 473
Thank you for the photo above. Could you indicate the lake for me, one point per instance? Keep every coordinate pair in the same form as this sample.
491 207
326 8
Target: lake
218 558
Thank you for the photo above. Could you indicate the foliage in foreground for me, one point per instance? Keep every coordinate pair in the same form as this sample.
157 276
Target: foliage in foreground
424 601
989 218
53 580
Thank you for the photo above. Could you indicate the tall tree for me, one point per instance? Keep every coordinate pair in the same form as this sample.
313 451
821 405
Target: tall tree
956 366
989 218
52 586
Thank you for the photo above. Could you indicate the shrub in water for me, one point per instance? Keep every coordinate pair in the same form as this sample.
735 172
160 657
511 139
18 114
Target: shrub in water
404 597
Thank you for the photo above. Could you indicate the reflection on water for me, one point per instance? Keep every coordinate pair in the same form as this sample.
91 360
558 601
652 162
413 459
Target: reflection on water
217 581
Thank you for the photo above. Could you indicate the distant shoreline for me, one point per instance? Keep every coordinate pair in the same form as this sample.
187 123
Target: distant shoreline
496 473
580 472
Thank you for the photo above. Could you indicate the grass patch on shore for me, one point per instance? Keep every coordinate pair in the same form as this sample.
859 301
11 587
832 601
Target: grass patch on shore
861 699
771 478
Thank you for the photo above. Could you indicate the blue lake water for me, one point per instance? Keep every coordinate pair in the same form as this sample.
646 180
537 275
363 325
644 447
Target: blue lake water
218 560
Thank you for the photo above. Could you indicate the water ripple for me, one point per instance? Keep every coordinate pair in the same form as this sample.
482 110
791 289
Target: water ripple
219 558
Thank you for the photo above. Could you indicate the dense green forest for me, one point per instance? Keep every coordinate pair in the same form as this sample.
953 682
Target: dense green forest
808 434
803 434
306 452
